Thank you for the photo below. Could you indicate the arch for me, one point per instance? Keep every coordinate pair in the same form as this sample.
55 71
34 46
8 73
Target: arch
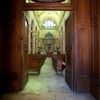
49 36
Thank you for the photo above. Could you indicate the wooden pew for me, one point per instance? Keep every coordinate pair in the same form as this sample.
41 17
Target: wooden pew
57 61
35 62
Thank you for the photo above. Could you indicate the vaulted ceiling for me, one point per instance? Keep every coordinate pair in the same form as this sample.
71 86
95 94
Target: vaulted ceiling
56 16
42 16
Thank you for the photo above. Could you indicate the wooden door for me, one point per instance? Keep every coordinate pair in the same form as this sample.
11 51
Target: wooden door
95 36
68 51
24 53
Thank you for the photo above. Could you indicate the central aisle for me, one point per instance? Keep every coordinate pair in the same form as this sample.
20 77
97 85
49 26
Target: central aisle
47 81
47 86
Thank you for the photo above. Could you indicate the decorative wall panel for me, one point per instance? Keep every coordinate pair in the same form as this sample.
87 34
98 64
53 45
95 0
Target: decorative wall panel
95 72
82 45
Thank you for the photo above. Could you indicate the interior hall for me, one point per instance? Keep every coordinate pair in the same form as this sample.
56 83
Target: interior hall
50 50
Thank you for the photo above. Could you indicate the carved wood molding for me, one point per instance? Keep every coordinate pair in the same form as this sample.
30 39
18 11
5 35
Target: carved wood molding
48 1
95 20
82 23
48 6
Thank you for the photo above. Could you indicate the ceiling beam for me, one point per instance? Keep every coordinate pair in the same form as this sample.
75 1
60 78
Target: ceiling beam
47 6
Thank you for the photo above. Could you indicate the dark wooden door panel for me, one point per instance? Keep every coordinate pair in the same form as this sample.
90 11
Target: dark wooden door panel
24 53
68 51
95 72
82 46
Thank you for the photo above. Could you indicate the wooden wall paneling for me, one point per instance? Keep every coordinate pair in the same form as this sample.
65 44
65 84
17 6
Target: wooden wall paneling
82 45
3 43
11 65
99 45
9 70
1 59
99 35
48 6
1 51
95 73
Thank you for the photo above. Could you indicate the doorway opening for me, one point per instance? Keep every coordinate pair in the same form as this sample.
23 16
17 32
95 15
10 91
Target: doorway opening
47 36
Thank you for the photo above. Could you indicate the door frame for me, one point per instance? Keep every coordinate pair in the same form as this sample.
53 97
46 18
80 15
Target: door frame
49 7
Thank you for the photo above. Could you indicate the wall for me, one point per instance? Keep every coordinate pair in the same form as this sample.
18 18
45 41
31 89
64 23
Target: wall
1 43
55 33
11 46
95 72
81 46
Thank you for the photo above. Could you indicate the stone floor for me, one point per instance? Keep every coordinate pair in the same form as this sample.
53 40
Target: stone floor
47 86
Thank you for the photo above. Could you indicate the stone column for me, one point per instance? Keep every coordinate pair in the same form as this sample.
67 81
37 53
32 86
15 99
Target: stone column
33 44
63 40
29 41
36 46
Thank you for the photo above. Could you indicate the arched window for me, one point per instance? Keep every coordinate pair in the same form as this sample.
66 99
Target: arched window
49 24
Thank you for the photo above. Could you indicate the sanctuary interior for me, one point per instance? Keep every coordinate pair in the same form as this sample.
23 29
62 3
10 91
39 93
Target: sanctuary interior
50 49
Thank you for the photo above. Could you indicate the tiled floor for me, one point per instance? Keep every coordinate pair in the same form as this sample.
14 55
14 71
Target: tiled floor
47 86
